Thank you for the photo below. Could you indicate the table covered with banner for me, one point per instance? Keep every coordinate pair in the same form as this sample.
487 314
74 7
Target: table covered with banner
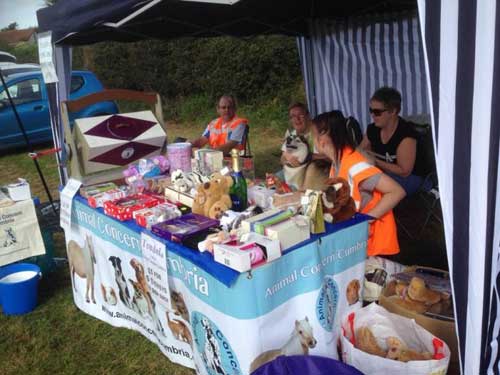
204 315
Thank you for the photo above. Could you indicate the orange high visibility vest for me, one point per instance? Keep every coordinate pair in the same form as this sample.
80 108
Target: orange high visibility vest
218 134
383 238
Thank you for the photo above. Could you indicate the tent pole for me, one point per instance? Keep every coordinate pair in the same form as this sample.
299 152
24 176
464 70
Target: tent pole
28 143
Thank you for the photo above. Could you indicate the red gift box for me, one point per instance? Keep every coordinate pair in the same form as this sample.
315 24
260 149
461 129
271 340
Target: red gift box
123 208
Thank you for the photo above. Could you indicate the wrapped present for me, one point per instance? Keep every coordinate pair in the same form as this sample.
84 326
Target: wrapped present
179 228
91 190
98 200
123 208
108 142
247 225
177 196
260 196
283 201
147 217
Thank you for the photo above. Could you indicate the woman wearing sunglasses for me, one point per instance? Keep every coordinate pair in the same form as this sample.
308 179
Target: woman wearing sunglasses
374 192
391 140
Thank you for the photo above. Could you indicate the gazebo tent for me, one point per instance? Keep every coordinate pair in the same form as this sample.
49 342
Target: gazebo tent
461 50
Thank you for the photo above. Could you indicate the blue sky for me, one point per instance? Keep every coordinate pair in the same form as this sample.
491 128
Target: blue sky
21 11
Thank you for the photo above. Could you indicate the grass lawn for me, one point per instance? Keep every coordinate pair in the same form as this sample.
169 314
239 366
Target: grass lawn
57 338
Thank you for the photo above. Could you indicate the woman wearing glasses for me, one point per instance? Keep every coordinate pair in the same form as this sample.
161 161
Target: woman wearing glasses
226 132
374 192
391 140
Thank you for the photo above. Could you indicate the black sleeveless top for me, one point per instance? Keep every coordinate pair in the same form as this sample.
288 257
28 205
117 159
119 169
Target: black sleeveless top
388 152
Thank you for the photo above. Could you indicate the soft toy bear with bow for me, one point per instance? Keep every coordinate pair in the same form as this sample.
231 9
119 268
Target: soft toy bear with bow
212 198
338 204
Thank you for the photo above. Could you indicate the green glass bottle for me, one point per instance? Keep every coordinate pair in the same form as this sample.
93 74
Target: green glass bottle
238 191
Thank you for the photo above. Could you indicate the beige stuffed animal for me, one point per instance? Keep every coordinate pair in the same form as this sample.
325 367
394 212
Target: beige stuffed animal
212 198
418 291
398 351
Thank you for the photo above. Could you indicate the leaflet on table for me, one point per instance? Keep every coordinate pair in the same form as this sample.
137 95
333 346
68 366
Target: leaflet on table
154 254
67 195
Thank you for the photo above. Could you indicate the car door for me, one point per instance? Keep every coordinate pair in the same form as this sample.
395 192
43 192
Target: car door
29 97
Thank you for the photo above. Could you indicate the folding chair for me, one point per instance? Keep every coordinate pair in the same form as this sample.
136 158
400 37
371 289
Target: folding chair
428 192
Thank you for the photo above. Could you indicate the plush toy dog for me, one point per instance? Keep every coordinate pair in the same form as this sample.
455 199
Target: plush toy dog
398 351
337 202
417 291
417 297
212 198
366 341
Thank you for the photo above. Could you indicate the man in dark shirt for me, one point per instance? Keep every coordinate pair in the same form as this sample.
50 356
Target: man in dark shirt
391 140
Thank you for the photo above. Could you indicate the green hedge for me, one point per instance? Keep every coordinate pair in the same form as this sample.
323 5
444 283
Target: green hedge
252 69
191 73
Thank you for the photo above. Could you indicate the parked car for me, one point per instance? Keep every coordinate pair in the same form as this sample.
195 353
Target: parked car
29 94
12 68
7 57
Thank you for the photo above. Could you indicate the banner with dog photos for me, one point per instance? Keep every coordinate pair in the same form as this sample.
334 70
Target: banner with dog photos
290 306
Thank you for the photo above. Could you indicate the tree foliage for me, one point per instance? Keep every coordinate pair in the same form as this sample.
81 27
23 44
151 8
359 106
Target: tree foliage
261 67
11 26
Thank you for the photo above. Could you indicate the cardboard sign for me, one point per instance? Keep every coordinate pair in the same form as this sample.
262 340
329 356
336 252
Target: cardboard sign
67 195
154 253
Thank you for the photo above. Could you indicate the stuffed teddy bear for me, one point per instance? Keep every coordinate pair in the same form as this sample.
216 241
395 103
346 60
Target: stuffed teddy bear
212 198
337 202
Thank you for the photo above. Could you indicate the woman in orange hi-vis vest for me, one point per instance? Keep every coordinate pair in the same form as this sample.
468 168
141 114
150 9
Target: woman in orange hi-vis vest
225 132
374 192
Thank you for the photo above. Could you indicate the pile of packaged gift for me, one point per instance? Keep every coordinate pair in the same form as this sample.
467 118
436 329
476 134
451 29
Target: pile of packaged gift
209 206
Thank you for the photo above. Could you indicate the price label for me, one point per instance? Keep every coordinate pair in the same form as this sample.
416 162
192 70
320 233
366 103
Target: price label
154 255
66 196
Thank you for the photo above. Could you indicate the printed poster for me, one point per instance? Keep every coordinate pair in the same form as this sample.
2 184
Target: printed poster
20 235
293 305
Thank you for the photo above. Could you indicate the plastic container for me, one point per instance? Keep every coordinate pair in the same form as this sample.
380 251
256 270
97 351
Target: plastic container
179 156
19 288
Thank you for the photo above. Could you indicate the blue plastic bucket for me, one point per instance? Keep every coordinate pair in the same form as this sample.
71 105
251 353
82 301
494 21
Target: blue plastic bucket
19 288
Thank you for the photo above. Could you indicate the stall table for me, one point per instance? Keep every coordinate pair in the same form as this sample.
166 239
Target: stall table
205 315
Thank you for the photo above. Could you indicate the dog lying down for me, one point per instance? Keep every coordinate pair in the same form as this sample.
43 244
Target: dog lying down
310 174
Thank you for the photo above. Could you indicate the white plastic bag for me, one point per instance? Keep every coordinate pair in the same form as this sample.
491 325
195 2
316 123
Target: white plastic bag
384 324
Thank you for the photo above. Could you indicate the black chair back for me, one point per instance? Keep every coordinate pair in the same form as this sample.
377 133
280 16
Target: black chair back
354 129
425 163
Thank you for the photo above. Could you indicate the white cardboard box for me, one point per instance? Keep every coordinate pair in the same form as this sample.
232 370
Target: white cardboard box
19 191
246 225
290 232
236 258
112 141
176 196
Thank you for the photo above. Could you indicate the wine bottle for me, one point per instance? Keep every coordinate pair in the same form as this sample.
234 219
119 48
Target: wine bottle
238 192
